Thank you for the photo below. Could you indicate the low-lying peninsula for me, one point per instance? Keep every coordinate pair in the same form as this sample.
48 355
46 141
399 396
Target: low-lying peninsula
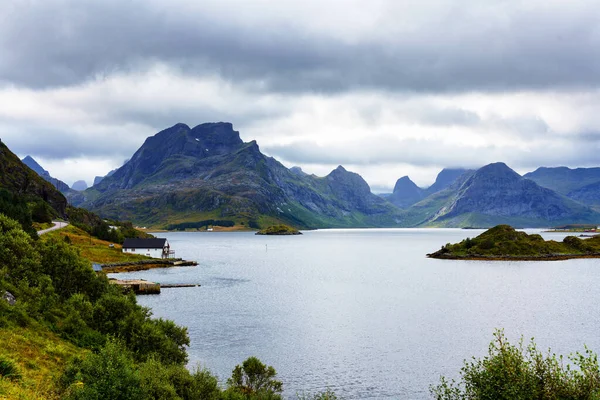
504 243
279 230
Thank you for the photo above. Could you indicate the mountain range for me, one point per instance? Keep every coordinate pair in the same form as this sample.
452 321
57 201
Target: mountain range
208 172
184 174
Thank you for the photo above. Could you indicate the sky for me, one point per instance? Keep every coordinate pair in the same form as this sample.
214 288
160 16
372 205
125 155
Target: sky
386 88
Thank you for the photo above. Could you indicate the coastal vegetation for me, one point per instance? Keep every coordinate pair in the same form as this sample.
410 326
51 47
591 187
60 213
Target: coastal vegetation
92 248
67 333
505 243
522 372
279 230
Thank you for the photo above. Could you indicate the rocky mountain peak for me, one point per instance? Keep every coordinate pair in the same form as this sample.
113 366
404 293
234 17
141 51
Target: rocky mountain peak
178 142
498 170
34 165
405 184
350 183
218 136
406 193
80 185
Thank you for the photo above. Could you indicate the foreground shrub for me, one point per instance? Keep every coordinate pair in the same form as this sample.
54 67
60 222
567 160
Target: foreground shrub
253 379
516 373
109 374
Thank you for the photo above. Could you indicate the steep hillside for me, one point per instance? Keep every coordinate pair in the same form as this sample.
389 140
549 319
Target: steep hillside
495 194
17 177
208 172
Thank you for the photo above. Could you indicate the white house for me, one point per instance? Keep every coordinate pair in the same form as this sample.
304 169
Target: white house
155 248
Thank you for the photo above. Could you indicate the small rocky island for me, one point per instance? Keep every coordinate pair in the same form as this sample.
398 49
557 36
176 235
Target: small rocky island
504 243
279 230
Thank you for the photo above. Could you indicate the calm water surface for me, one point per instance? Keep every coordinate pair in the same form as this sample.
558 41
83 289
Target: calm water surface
364 312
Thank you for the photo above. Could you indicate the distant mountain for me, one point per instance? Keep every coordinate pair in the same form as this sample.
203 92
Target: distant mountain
79 186
208 172
495 194
445 178
58 184
406 193
99 179
16 176
580 184
564 180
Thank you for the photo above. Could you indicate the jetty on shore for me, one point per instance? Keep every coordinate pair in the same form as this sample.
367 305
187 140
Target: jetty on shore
142 286
143 265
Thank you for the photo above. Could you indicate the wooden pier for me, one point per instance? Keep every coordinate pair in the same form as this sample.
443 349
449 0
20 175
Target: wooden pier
138 286
141 286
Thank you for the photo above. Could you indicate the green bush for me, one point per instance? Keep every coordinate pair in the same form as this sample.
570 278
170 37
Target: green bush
254 379
109 374
517 373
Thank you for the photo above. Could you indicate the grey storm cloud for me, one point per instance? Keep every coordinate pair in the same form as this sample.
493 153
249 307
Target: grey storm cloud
507 47
53 144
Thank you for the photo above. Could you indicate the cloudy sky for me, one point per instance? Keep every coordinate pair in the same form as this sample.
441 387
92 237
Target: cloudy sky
384 87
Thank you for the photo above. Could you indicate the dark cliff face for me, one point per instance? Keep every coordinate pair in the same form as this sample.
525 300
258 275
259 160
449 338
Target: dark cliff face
179 142
406 193
15 176
209 169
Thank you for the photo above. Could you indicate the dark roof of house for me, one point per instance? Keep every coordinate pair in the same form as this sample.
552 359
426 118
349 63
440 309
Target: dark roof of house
155 243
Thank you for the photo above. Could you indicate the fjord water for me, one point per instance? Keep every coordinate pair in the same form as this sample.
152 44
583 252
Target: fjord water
363 311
